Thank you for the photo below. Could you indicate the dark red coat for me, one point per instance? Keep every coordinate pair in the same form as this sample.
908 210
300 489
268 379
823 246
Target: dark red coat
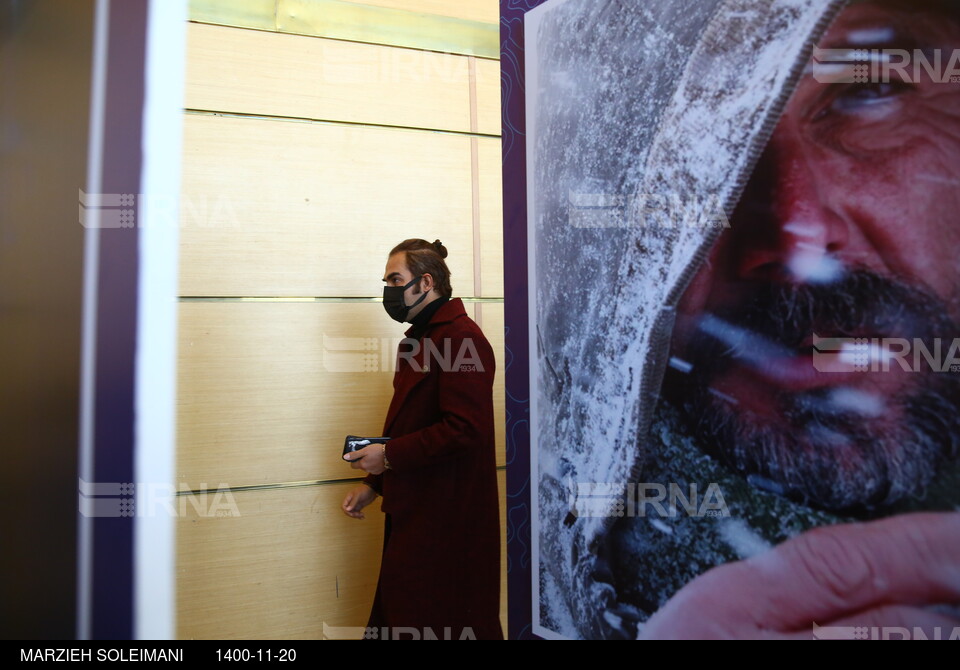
441 558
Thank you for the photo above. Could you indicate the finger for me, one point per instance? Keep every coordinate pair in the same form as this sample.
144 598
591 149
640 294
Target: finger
910 559
355 455
823 575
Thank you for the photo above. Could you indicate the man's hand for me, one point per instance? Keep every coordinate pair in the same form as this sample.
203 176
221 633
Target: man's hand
897 572
369 459
358 498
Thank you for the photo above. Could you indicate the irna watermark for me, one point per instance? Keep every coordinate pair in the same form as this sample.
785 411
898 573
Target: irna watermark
369 354
396 633
882 66
132 210
111 499
883 354
883 633
647 500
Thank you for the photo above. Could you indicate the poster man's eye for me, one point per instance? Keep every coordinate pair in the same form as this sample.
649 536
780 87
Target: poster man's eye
853 98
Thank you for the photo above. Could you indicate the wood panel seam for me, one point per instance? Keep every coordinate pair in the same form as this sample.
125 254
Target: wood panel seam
335 122
201 22
277 485
475 183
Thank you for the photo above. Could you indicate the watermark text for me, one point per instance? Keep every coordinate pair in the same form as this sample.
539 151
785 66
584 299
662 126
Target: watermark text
648 500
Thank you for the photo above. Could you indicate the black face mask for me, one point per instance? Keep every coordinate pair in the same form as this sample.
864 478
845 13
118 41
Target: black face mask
394 303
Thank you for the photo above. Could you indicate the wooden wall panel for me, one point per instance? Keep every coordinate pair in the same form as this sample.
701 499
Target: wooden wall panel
491 218
442 27
294 208
490 318
273 208
255 72
267 391
288 563
281 563
484 11
260 14
358 22
488 97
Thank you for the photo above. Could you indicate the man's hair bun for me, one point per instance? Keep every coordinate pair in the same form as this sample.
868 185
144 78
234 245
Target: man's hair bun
426 258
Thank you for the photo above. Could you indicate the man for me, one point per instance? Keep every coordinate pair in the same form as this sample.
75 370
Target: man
847 230
844 233
792 360
440 574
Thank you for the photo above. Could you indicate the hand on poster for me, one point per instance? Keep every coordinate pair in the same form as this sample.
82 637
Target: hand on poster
898 572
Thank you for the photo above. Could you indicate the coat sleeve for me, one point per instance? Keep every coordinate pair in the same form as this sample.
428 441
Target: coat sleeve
375 482
465 409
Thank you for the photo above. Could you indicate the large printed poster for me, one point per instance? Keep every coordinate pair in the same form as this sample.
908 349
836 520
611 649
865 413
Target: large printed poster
744 298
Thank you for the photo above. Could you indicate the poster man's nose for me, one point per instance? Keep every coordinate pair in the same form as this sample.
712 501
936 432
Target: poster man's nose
788 230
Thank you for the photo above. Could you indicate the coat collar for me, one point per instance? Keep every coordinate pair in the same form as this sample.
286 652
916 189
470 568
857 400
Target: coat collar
449 311
406 378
